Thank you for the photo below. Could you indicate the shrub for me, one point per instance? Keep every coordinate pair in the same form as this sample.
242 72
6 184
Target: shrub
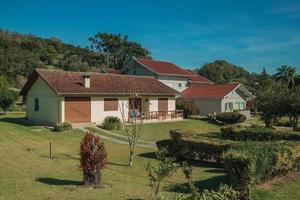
111 123
93 159
60 127
240 167
231 117
224 192
182 145
255 134
250 162
189 107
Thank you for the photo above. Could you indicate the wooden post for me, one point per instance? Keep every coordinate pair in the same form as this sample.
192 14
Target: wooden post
50 151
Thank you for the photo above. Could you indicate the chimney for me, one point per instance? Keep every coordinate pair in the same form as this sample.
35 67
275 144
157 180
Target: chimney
87 81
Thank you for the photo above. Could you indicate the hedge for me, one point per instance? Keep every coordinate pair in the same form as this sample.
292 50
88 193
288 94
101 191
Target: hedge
250 163
60 127
182 145
255 134
224 192
231 117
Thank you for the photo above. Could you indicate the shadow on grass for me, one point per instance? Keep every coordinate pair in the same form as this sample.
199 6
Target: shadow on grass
18 120
150 155
210 184
55 181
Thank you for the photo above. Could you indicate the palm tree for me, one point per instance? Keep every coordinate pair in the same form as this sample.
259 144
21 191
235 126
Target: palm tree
286 74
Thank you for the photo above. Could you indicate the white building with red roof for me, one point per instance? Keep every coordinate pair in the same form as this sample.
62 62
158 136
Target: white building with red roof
209 97
166 72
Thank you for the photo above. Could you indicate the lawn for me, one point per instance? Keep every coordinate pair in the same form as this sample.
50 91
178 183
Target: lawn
26 172
160 130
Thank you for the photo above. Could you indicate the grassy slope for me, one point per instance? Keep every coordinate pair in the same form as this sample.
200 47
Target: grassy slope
159 131
31 175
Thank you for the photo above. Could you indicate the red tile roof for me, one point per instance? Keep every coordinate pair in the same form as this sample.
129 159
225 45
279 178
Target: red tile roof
63 82
163 68
112 71
197 78
209 91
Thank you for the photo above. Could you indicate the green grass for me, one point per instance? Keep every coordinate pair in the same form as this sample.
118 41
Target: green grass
159 131
26 172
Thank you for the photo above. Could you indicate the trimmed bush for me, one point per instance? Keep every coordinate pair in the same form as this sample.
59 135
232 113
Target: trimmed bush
240 167
60 127
231 117
269 160
224 192
183 145
255 134
111 123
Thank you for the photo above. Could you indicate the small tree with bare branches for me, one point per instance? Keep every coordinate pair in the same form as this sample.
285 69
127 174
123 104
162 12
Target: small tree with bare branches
132 130
93 158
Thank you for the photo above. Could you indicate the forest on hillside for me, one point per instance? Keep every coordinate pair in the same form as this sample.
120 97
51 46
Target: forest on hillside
21 53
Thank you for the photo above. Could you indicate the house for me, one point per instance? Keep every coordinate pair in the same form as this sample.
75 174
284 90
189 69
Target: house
166 72
217 98
209 97
75 97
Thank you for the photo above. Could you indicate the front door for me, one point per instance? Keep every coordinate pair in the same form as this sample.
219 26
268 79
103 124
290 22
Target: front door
135 107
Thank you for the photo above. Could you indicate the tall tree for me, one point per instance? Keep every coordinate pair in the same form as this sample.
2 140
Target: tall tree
286 75
118 50
269 102
221 71
291 105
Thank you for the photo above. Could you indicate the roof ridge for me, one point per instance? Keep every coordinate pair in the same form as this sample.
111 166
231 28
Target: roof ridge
95 73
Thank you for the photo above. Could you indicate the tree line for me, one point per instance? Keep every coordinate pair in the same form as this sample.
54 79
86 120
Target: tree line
21 53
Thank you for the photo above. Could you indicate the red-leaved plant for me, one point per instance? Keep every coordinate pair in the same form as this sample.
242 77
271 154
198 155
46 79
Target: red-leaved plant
93 158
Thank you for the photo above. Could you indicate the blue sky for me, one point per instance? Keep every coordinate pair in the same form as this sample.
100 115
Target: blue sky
252 34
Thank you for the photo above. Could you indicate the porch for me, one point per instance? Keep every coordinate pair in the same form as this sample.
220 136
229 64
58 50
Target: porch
147 109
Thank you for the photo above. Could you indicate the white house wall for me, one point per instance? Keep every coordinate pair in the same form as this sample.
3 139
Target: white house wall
207 106
49 109
233 97
174 81
97 109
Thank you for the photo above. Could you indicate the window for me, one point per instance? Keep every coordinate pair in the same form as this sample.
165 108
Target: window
36 104
179 85
242 105
110 104
228 106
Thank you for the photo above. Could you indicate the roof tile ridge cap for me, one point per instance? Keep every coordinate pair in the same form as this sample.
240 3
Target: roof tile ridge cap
126 75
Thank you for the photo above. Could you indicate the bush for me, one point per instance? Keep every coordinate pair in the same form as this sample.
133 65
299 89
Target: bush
93 158
60 127
224 192
255 134
189 107
240 167
269 160
111 123
231 117
183 145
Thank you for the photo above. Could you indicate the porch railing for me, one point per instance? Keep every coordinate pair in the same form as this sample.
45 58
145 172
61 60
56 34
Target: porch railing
162 115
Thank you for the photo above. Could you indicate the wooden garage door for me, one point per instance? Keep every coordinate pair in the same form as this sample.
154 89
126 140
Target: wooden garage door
78 109
162 104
